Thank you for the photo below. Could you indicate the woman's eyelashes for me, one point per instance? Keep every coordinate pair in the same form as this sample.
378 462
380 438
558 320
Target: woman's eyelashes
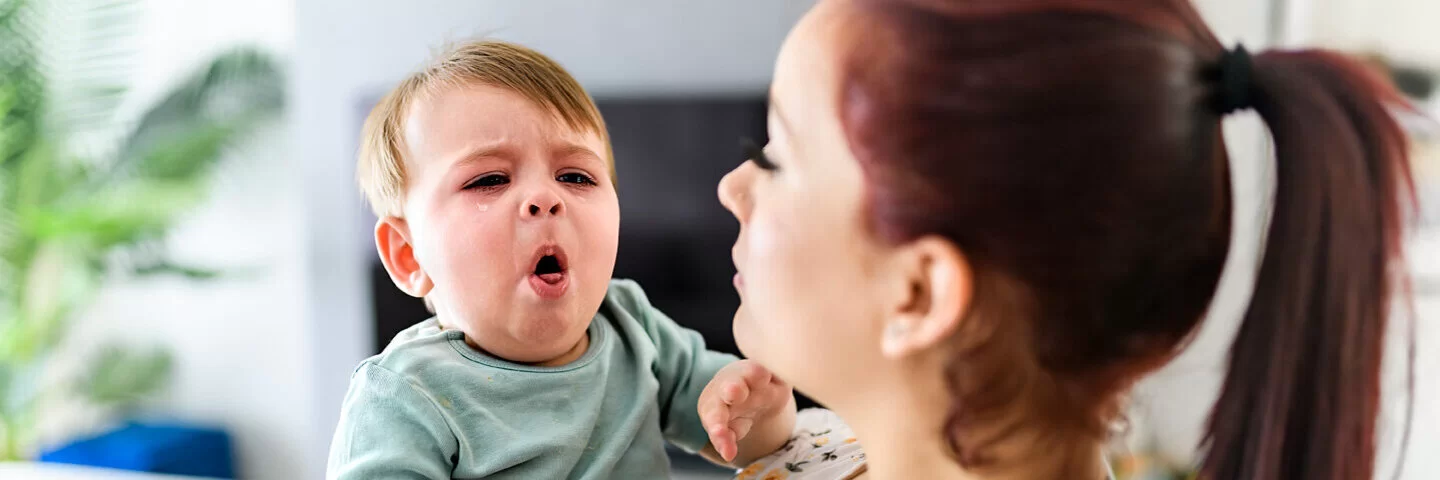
754 153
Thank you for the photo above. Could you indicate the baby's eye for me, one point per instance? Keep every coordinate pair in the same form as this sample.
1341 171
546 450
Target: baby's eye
576 178
488 181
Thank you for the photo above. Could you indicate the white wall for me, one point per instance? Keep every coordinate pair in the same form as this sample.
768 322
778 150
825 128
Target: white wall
1408 30
1175 402
348 51
240 343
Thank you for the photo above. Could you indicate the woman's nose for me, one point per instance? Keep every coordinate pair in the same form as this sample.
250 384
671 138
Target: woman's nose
734 191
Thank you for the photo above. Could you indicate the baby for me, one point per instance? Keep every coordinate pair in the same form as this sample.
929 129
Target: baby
492 176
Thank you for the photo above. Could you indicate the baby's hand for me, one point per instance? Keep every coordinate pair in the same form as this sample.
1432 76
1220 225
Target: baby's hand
741 395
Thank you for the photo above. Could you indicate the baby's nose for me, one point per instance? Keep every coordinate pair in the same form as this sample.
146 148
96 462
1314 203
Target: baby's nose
544 203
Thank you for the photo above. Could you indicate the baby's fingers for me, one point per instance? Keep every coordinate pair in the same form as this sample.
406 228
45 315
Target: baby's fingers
715 417
734 393
724 440
740 427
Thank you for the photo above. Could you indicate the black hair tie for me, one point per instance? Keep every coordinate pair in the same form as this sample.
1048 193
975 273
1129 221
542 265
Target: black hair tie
1235 80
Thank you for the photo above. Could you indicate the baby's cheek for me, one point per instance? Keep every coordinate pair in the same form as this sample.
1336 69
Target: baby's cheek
600 228
476 254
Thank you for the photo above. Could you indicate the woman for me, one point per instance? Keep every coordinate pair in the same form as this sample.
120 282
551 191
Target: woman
978 223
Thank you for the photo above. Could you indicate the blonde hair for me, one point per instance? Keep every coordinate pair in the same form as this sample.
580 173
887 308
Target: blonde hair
381 167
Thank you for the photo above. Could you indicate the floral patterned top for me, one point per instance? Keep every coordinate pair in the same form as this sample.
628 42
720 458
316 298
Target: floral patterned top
822 448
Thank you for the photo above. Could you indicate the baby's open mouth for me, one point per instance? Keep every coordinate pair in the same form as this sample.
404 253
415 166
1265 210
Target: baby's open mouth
550 267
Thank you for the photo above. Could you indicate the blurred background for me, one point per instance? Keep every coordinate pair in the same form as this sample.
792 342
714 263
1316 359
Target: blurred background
185 258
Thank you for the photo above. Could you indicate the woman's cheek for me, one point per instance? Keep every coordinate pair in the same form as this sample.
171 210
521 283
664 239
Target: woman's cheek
778 257
782 323
767 255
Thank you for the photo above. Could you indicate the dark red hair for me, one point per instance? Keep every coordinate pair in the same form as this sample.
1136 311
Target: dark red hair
1072 150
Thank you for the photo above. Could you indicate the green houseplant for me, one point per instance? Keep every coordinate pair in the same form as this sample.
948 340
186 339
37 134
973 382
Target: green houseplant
87 195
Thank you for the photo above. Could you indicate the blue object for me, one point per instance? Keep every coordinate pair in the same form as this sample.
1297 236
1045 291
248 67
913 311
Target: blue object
153 448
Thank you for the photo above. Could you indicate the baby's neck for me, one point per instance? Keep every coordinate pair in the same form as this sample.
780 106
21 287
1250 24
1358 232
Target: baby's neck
574 354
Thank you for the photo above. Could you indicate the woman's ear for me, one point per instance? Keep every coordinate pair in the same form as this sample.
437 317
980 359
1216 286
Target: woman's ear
392 239
940 285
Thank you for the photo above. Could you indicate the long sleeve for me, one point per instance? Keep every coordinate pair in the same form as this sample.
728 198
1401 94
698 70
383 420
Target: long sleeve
683 367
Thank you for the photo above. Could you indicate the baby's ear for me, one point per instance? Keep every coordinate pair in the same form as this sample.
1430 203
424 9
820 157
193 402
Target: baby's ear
392 239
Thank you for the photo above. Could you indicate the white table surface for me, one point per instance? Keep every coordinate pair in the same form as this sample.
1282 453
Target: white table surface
56 471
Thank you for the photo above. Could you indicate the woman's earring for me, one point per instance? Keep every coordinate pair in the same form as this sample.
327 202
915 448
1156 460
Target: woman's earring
896 330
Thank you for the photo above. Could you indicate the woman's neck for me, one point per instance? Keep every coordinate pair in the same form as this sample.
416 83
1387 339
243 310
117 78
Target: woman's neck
894 450
894 453
902 431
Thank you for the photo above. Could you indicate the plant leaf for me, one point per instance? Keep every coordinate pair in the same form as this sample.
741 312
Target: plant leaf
190 153
57 279
230 96
90 47
21 84
117 216
120 377
166 267
41 178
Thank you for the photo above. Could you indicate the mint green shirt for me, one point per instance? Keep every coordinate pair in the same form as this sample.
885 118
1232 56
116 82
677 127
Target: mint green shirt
430 406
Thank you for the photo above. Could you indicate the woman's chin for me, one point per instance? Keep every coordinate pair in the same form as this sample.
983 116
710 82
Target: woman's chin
753 344
743 332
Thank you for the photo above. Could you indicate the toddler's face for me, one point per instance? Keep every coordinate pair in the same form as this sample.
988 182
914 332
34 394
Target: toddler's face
513 218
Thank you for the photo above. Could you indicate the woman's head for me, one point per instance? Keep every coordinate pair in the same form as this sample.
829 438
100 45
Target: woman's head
1032 200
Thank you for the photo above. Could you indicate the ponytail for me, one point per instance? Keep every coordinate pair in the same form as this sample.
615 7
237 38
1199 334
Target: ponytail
1302 391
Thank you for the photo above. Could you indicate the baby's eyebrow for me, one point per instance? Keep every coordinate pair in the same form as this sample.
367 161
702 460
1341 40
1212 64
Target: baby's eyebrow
569 150
480 152
505 150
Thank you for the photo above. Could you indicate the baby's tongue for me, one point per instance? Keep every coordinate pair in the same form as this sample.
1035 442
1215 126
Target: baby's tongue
551 278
